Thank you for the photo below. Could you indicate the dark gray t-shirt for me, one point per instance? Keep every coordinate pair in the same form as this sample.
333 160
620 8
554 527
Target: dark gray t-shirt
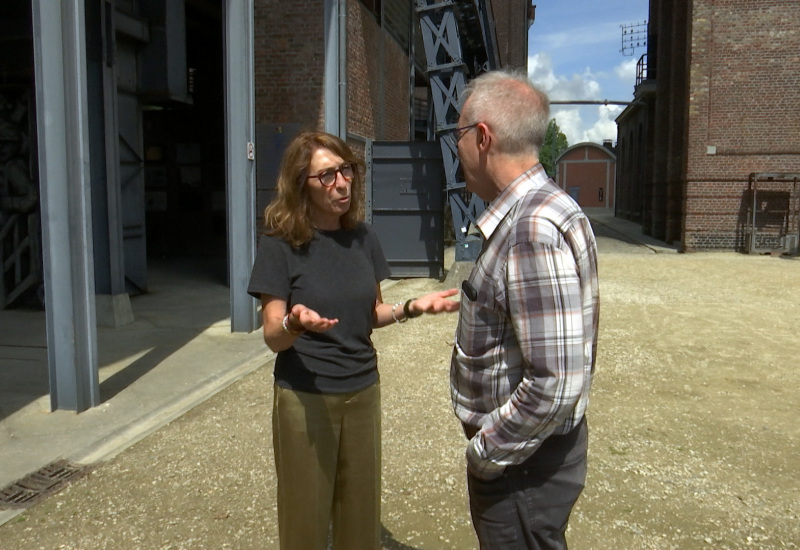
336 275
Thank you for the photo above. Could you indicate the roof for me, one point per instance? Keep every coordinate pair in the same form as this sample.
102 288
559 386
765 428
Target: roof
589 144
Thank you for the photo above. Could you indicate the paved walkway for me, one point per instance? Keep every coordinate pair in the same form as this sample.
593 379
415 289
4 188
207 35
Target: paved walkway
177 353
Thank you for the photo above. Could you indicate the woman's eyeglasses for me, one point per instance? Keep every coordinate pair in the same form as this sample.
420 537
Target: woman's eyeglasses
328 177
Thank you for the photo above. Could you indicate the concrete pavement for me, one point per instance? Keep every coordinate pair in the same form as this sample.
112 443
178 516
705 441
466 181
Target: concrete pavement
177 353
608 228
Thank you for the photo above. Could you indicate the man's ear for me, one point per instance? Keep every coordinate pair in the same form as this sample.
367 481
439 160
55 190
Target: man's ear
485 136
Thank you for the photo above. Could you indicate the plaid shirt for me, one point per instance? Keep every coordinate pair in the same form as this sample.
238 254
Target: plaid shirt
526 340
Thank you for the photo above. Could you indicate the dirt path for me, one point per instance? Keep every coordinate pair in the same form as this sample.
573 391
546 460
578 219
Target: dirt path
695 441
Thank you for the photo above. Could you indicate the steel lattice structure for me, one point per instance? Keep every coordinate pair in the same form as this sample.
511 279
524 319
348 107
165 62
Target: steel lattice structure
459 44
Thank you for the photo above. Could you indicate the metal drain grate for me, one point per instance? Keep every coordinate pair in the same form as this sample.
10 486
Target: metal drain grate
31 489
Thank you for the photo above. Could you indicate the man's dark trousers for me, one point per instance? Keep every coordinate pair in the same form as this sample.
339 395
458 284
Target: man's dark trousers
529 505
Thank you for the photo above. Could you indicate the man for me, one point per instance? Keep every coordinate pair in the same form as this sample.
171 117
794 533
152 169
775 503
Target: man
526 340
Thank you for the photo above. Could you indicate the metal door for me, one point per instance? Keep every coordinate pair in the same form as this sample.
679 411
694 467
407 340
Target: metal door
574 192
405 204
271 142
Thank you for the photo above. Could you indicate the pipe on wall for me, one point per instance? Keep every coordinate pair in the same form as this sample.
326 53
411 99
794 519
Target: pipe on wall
335 86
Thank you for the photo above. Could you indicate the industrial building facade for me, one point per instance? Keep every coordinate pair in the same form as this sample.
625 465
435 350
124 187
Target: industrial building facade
709 151
141 129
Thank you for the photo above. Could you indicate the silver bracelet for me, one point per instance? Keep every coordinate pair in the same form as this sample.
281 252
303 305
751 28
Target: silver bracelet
394 313
286 329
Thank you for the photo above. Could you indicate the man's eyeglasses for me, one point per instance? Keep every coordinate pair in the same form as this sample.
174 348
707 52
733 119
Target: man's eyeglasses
461 132
328 177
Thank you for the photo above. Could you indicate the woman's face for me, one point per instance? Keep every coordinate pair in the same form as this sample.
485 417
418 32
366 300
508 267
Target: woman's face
328 204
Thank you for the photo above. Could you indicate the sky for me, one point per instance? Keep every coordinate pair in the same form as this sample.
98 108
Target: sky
574 54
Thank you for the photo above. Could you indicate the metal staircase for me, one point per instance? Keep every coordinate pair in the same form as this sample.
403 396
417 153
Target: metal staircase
20 234
459 41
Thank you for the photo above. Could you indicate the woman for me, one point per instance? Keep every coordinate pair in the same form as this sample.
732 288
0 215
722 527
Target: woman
318 272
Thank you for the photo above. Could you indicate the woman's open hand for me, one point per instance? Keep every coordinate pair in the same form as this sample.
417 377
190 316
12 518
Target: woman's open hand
311 320
435 302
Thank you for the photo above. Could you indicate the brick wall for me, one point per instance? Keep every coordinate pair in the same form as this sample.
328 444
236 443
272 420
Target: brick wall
289 62
397 91
744 100
662 208
363 68
289 80
634 151
378 95
511 28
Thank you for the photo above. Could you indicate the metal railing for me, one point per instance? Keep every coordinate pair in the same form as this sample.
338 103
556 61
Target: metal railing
641 70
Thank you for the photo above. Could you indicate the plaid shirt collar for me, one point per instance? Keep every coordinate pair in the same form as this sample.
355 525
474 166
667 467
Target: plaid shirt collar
496 210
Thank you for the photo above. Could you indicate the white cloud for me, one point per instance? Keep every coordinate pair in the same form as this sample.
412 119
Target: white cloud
578 123
579 87
540 71
573 123
580 37
605 127
626 71
570 123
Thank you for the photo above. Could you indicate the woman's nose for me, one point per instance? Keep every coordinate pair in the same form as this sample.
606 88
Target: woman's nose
340 180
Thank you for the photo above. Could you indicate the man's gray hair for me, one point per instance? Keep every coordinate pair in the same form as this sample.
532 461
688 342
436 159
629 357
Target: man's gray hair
517 111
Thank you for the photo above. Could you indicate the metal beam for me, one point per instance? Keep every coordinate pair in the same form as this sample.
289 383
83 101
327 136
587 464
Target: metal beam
113 176
63 141
335 63
240 159
590 102
448 73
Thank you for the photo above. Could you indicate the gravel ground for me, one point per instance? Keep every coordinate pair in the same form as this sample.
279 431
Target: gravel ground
694 438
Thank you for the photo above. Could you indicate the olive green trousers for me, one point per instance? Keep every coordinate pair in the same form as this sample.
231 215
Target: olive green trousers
328 463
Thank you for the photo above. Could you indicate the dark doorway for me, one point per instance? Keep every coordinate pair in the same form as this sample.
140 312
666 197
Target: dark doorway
184 146
20 234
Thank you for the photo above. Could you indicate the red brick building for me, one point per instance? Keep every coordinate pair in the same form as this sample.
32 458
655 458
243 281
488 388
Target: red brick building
587 171
717 107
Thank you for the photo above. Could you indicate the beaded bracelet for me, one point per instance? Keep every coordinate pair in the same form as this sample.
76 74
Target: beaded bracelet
394 313
287 330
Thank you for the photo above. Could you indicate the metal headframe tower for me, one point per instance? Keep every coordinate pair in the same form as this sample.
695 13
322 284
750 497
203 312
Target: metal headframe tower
634 36
459 41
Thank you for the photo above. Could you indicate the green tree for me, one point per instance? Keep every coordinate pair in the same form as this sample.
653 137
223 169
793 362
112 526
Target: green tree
555 143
